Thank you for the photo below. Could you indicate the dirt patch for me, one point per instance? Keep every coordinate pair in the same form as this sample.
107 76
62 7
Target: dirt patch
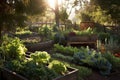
97 76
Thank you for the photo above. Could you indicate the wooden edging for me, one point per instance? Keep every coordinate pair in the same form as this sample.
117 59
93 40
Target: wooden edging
7 74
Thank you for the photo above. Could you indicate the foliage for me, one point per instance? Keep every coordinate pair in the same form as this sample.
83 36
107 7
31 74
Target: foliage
103 36
111 7
31 40
93 59
40 57
12 48
58 67
65 50
40 72
63 15
65 58
34 69
45 31
82 71
23 32
112 45
60 38
14 13
30 70
85 17
100 16
113 60
88 31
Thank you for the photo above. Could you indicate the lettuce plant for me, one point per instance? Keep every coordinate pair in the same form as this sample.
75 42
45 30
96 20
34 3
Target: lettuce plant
12 48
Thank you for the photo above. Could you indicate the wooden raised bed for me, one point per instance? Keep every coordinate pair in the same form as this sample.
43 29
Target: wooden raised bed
39 46
7 74
88 39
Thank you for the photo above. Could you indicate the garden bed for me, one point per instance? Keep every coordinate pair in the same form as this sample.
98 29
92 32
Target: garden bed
7 74
39 46
88 39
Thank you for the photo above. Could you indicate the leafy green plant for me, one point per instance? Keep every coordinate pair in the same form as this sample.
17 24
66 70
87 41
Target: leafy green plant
45 31
103 36
31 70
82 71
65 50
112 45
60 38
40 57
23 32
88 31
63 57
113 60
58 67
38 72
12 48
93 59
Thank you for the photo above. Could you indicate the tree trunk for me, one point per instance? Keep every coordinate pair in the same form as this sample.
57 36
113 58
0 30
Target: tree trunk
56 13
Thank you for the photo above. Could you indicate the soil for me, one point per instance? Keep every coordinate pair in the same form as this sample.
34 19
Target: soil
96 76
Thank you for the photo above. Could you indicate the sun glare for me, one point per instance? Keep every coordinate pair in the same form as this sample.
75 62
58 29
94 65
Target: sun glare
52 3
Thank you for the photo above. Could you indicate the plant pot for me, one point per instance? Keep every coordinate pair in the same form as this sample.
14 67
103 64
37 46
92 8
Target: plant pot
7 74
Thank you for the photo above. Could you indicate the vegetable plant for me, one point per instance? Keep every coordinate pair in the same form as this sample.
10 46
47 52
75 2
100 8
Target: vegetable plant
12 48
66 50
58 67
40 57
93 59
34 69
63 57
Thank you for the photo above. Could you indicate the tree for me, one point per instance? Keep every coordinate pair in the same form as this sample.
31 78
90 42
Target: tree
112 8
14 13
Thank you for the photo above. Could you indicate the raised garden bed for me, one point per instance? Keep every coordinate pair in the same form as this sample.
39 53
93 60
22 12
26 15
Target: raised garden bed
87 39
39 46
7 74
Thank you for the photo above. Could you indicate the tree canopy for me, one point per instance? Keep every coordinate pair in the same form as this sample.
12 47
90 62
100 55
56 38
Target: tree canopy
14 12
111 7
